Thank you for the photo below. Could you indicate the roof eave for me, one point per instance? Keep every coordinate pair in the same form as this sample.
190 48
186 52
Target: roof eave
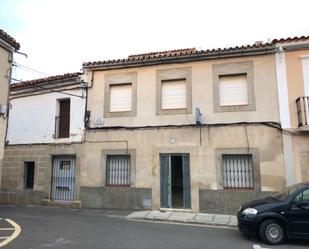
182 59
20 86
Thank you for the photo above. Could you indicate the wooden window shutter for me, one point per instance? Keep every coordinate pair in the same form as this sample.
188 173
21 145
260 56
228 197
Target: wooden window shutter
64 118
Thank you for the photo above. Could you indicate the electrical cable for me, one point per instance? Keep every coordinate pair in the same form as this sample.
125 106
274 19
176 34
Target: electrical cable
28 68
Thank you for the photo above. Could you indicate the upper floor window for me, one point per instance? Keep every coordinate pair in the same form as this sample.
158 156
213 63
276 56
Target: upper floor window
63 119
174 94
233 90
120 98
233 87
174 89
120 95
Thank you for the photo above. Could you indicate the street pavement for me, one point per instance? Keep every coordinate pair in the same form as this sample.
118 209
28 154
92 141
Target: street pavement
63 228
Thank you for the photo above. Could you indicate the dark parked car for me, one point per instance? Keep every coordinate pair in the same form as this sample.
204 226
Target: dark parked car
281 216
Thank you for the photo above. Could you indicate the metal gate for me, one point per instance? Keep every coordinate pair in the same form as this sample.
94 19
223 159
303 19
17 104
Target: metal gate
63 178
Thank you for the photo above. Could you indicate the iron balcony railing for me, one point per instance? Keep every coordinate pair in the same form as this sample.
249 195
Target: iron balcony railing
302 111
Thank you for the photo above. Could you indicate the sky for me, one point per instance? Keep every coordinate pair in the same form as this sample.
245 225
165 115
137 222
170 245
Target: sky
59 35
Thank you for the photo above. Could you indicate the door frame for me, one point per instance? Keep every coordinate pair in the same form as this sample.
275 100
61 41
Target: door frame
187 202
72 156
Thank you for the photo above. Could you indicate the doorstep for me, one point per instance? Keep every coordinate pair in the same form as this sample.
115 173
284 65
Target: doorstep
186 217
68 204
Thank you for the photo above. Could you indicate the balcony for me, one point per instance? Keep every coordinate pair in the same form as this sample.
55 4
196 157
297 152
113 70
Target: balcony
303 111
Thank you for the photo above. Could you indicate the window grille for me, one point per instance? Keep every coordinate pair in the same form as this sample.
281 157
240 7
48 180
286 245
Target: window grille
118 168
237 171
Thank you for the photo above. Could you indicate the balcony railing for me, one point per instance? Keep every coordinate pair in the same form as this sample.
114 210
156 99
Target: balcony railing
302 111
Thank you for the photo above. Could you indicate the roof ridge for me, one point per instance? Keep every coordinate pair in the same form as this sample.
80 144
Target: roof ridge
176 53
25 84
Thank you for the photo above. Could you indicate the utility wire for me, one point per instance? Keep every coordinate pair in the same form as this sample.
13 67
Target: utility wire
28 68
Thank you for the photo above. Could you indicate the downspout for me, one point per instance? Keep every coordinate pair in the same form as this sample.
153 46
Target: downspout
86 116
8 97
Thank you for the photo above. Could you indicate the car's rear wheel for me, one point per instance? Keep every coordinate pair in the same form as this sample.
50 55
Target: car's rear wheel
272 232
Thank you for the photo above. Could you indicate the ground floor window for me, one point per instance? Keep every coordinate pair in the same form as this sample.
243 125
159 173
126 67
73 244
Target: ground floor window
29 175
237 171
118 170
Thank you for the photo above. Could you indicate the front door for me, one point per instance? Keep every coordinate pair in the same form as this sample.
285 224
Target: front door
63 178
175 190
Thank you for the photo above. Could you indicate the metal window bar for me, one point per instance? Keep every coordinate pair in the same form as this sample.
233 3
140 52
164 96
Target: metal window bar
63 178
118 170
302 107
237 171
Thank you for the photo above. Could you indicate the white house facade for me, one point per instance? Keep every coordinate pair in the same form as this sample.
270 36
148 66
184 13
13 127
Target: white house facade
46 129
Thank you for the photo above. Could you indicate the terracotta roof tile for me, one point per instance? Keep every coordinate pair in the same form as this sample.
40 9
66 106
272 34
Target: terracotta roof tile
179 53
291 39
30 83
8 39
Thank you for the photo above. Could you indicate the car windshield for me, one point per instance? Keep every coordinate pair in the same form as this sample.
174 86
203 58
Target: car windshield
283 195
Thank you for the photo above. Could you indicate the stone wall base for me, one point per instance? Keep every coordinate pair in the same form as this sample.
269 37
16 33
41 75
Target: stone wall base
116 197
21 197
227 201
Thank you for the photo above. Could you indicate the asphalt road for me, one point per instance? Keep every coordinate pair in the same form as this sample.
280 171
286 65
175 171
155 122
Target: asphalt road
61 228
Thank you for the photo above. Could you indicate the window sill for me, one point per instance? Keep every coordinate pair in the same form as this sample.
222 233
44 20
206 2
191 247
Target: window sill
118 186
234 108
174 111
120 114
62 140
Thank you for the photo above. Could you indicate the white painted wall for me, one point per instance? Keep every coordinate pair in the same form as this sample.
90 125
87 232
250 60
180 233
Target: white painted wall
282 85
32 119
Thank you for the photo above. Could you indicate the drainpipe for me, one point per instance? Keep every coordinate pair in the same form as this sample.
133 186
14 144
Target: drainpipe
86 114
10 59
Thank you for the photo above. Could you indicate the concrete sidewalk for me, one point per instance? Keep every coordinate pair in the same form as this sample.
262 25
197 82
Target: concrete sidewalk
187 217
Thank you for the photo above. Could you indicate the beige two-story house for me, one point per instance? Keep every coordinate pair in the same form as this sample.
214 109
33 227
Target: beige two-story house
8 46
182 129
